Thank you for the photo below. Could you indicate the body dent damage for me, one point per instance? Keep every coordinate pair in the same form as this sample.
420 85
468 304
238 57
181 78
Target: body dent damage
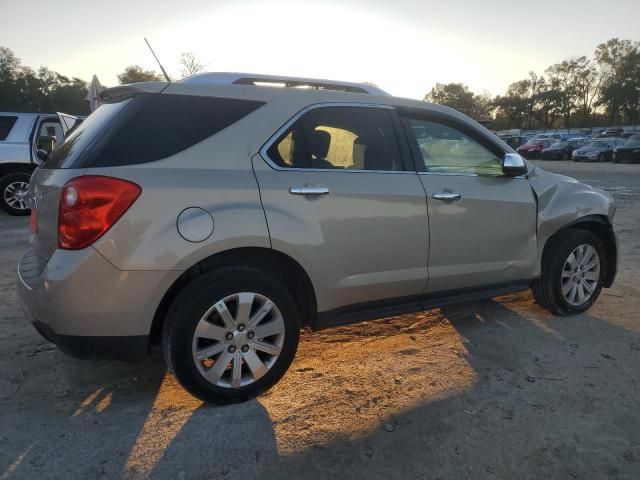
562 201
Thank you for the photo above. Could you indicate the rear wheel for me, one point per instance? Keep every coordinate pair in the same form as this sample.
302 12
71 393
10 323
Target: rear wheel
14 188
572 273
566 156
231 334
601 157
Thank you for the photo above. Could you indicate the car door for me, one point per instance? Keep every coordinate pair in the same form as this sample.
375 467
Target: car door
340 200
482 224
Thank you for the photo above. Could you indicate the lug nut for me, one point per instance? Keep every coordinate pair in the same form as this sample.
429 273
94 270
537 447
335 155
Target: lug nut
229 336
241 327
250 335
245 348
232 349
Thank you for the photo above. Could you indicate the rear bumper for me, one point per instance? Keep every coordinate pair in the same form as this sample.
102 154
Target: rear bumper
86 306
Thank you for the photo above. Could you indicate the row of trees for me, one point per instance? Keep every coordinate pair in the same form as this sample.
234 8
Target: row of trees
579 92
23 89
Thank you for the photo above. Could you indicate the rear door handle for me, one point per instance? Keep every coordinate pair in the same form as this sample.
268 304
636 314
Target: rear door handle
447 196
309 190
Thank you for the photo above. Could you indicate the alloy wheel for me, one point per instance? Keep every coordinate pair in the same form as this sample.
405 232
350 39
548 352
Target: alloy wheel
580 275
15 195
238 340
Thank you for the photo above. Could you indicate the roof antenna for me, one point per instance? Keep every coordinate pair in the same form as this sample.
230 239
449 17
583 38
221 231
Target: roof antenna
164 72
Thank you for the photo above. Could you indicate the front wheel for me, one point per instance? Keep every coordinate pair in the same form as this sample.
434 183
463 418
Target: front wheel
231 334
14 188
572 273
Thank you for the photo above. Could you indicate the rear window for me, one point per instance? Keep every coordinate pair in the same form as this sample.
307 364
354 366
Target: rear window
148 127
6 124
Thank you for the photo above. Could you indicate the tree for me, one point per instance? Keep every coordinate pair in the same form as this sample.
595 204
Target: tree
23 90
190 64
135 73
458 96
619 61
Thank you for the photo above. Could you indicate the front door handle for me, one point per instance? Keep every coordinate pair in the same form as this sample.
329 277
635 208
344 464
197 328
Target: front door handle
309 190
447 196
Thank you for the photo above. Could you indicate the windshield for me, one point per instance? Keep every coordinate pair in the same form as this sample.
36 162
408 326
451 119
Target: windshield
536 142
561 144
81 137
598 144
632 142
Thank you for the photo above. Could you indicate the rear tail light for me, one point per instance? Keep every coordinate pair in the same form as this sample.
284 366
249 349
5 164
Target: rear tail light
89 206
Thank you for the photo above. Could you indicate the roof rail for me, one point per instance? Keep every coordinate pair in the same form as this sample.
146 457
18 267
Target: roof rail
227 78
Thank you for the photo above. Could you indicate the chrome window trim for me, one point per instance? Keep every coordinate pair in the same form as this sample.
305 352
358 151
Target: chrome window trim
450 174
273 138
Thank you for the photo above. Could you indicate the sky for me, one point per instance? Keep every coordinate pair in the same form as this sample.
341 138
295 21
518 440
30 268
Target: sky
403 46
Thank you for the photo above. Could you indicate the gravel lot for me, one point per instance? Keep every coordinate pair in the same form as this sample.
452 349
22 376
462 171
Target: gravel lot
499 389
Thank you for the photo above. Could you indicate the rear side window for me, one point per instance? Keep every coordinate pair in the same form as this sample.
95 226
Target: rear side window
169 124
146 128
6 124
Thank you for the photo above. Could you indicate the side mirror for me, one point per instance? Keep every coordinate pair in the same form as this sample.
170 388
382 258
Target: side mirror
42 154
513 165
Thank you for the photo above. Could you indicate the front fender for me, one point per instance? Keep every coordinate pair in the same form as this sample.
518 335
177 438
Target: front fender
563 201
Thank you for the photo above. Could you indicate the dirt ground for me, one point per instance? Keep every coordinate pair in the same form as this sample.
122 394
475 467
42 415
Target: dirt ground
496 390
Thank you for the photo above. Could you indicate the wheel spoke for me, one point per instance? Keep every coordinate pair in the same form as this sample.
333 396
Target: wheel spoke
245 302
224 313
572 260
566 287
215 373
262 312
589 287
236 374
273 327
594 276
258 369
573 293
209 351
581 296
567 274
211 331
265 347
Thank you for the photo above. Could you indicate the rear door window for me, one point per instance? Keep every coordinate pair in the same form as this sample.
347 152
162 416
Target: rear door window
6 124
340 138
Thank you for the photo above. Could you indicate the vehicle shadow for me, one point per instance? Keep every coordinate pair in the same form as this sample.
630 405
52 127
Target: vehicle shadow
540 404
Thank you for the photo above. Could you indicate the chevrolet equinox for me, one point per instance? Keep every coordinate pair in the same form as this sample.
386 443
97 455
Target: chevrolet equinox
217 215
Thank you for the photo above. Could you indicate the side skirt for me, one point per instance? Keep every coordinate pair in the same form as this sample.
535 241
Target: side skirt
401 306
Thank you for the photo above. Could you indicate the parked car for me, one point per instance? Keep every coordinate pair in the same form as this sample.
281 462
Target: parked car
561 150
534 147
24 139
629 152
514 141
216 216
599 150
612 132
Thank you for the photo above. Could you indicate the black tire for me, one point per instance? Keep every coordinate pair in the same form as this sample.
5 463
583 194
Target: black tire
566 156
547 290
6 183
601 158
189 307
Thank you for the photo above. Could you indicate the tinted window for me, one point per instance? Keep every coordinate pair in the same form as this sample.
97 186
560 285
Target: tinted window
445 149
347 138
145 128
67 154
6 124
168 124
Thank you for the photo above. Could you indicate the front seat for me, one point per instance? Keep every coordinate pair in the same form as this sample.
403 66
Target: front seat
319 142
